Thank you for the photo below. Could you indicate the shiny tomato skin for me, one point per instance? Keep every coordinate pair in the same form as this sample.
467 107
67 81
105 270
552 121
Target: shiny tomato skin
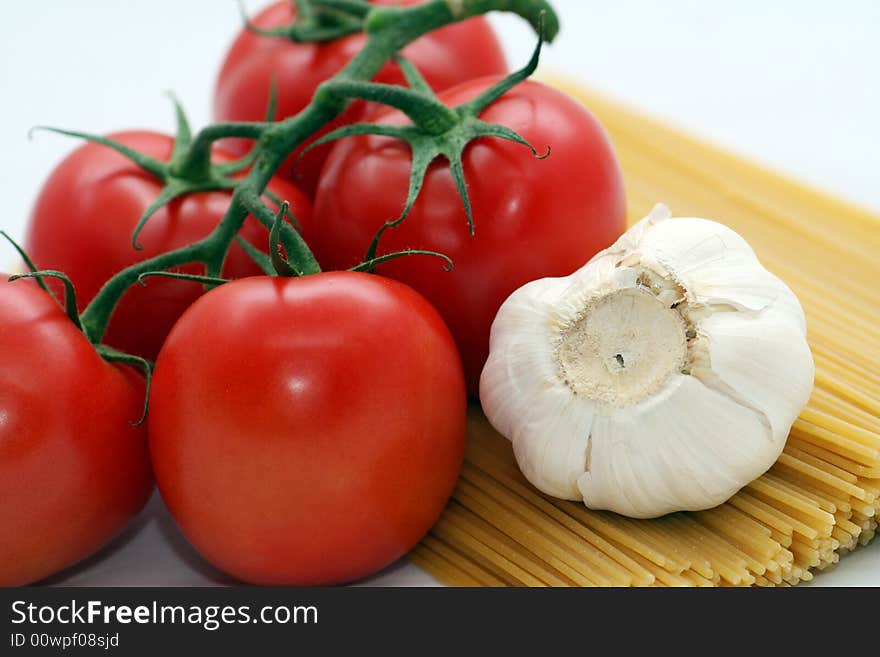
307 431
73 469
84 217
532 218
445 58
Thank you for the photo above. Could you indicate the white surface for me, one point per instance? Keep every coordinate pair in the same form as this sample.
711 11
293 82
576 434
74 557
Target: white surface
792 84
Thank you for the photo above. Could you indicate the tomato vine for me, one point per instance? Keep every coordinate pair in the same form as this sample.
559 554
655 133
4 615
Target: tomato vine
388 30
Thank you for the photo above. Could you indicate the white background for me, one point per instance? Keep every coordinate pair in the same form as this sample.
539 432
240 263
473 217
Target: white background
793 84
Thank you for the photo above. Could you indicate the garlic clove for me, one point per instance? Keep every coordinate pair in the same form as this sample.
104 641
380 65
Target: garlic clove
748 356
716 267
550 435
689 448
552 443
633 237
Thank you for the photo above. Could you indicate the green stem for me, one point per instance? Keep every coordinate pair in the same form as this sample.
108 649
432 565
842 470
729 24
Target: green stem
372 263
298 252
426 112
302 34
70 307
192 278
389 30
111 355
196 164
28 263
145 162
358 8
97 314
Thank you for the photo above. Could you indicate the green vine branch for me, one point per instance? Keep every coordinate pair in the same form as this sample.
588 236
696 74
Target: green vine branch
388 30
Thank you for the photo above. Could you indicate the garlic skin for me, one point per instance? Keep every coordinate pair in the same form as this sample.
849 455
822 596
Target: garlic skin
662 376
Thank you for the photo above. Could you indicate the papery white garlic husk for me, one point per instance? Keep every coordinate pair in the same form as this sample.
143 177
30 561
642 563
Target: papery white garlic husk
662 376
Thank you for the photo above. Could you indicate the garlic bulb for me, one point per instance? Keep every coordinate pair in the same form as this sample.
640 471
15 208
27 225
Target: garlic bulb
662 376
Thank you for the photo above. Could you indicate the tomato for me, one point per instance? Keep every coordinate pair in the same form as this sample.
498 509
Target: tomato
445 57
73 469
532 218
84 217
307 431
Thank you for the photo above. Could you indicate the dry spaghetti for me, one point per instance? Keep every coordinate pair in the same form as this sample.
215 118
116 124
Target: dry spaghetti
822 497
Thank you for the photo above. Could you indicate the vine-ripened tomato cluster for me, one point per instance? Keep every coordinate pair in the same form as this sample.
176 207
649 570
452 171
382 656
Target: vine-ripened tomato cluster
304 427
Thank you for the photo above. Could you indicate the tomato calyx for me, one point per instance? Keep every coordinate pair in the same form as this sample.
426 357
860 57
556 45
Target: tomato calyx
26 259
112 355
435 129
316 20
189 169
303 263
106 352
109 354
69 304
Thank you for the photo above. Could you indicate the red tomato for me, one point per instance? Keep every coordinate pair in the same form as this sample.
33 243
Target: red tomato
87 210
445 57
73 470
307 431
533 218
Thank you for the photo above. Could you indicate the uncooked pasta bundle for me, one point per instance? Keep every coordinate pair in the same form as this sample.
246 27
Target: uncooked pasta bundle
821 498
